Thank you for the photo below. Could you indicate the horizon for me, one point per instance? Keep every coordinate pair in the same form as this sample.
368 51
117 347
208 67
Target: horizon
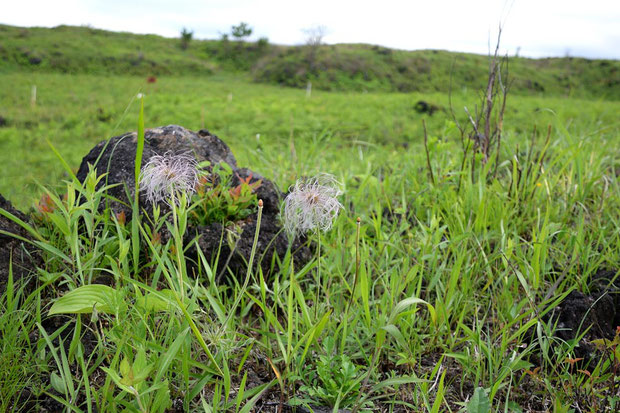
254 39
529 28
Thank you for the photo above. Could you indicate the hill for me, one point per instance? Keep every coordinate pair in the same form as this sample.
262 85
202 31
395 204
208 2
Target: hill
348 67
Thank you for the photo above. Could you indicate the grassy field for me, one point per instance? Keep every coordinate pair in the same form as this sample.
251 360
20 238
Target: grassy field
75 112
448 309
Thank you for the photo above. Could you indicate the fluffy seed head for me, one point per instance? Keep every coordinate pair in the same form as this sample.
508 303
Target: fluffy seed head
312 204
166 175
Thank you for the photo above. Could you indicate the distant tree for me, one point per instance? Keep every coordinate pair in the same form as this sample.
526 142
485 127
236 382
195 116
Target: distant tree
314 39
225 40
241 54
241 31
224 50
262 44
315 35
186 37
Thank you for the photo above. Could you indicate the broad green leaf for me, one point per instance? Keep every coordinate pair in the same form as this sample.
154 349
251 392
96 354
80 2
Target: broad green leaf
156 301
58 383
403 305
395 332
83 299
125 368
117 380
479 402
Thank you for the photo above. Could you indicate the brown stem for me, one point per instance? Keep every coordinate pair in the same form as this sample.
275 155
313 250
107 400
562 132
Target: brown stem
428 157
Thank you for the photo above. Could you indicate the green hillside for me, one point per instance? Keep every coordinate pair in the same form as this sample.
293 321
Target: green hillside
349 67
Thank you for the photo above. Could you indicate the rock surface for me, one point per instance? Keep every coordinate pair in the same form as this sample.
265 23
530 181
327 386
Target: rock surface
23 255
117 157
598 313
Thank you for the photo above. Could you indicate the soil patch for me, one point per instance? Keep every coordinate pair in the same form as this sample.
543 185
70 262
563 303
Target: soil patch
20 255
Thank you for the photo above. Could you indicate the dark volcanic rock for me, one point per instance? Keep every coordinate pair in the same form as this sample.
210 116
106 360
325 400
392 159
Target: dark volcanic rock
117 158
23 255
236 247
424 107
598 313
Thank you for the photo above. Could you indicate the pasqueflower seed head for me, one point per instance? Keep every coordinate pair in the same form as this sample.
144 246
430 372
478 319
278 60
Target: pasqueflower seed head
168 175
312 204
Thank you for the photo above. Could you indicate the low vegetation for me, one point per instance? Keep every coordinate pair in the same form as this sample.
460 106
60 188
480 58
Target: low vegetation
440 297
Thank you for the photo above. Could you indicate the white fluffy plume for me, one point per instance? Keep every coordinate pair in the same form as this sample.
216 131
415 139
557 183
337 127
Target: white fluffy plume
312 204
165 177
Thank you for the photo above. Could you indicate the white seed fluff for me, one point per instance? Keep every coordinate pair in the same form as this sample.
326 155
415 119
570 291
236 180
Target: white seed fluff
312 204
166 176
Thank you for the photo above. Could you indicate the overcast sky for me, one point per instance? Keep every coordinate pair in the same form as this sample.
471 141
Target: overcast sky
537 28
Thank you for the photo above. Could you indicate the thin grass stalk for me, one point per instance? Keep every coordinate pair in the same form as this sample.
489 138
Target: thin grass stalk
135 231
500 122
357 265
428 157
352 297
178 244
318 276
249 271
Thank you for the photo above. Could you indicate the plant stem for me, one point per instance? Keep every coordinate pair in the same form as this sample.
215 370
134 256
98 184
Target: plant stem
318 275
357 266
249 271
178 246
428 157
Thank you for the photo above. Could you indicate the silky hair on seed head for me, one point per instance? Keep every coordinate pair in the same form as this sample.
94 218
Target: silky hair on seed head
312 204
165 176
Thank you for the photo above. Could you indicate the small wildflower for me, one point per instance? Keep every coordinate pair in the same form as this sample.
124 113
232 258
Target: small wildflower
46 204
167 176
312 204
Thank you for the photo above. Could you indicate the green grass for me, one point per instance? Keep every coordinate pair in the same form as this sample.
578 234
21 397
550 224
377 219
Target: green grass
76 112
452 281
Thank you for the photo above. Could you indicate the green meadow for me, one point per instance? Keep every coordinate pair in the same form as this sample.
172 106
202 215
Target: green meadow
440 300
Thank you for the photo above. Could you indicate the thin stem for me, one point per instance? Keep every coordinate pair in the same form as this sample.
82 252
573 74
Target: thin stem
357 266
345 321
249 271
375 357
178 248
428 157
318 272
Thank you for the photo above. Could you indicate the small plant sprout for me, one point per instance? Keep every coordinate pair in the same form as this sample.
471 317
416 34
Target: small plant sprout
164 177
312 204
